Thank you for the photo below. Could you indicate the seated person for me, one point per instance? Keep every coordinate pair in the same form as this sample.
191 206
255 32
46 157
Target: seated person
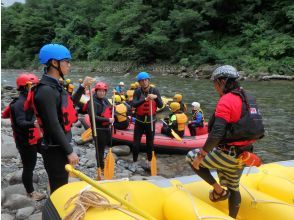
178 98
176 121
121 117
130 93
119 89
197 118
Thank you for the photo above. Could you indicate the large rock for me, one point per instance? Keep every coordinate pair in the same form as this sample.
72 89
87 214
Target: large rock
6 217
37 216
24 213
16 178
121 150
17 201
8 148
14 189
5 122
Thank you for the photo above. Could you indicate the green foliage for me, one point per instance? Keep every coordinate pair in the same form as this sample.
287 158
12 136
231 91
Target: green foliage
254 35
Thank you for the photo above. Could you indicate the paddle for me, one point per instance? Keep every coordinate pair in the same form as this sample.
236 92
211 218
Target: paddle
86 135
109 160
94 134
153 160
100 187
176 136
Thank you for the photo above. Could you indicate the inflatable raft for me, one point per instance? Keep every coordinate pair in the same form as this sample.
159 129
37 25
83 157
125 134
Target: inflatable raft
161 141
267 194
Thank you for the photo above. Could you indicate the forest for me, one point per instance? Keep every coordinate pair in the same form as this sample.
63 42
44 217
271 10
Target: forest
254 35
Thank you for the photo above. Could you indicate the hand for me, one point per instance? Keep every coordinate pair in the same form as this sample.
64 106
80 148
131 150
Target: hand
151 97
73 159
196 162
111 120
87 81
189 122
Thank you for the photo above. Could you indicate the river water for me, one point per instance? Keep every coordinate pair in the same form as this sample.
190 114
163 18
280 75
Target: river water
275 100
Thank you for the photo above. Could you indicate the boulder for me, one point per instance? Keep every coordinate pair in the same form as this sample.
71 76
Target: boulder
24 213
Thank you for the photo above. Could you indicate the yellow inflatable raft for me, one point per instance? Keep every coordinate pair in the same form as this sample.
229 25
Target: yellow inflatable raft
267 193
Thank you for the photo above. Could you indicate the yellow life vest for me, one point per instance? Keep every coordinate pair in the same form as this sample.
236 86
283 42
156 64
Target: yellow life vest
181 120
121 111
130 94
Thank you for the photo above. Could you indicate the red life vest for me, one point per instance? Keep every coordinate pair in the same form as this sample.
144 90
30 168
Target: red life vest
69 114
34 134
144 109
107 113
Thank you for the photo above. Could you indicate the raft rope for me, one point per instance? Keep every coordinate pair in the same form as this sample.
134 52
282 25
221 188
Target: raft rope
256 201
87 199
182 188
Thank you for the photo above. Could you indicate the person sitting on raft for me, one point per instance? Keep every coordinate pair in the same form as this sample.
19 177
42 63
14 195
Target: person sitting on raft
121 120
179 98
176 121
197 118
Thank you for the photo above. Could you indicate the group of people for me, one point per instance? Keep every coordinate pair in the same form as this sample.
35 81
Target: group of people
44 112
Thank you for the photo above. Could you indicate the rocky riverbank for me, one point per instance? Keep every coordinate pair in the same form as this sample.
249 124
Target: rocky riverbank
15 203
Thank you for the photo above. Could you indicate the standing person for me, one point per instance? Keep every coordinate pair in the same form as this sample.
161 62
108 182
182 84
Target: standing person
103 119
176 121
26 135
142 99
234 126
197 118
179 98
55 112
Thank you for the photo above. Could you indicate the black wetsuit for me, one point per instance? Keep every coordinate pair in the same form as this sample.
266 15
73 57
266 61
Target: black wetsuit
22 121
103 131
143 125
56 141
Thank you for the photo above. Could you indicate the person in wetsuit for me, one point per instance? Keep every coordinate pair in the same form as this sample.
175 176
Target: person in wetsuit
146 99
234 126
26 133
55 112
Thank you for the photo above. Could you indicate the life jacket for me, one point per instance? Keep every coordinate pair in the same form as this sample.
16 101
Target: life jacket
144 109
194 117
106 112
33 136
249 126
181 120
69 114
121 111
130 94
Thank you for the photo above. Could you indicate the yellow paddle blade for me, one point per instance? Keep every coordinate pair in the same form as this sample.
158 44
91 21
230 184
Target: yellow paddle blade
109 165
176 136
99 174
86 134
153 165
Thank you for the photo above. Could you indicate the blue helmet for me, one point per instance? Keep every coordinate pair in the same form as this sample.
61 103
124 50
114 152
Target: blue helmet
142 76
53 51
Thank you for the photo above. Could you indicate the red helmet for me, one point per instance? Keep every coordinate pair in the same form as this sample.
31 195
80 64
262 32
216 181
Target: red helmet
101 85
24 78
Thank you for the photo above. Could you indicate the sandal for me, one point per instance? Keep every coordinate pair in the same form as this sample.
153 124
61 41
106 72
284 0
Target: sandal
216 197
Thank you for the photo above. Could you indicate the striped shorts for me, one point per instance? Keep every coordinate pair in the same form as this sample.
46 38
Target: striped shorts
228 168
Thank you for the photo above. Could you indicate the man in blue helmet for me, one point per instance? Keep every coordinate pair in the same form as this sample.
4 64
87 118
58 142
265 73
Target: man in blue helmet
146 99
55 113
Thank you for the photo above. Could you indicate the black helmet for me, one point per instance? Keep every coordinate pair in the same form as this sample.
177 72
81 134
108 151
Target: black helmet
225 71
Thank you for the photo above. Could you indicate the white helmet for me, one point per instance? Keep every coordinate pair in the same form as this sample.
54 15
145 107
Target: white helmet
196 105
225 71
121 84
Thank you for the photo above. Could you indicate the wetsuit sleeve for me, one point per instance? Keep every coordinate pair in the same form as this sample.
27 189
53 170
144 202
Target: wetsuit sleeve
20 116
158 100
136 99
46 106
77 95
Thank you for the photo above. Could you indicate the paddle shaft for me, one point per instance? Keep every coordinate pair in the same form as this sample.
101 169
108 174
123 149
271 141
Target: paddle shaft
94 131
151 116
95 184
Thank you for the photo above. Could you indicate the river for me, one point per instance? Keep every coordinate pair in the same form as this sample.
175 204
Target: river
275 100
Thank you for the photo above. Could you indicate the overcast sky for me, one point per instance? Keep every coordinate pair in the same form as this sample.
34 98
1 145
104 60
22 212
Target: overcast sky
10 2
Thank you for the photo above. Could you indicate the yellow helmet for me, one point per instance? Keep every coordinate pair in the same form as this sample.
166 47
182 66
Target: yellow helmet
67 81
137 84
133 86
175 106
117 99
178 97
